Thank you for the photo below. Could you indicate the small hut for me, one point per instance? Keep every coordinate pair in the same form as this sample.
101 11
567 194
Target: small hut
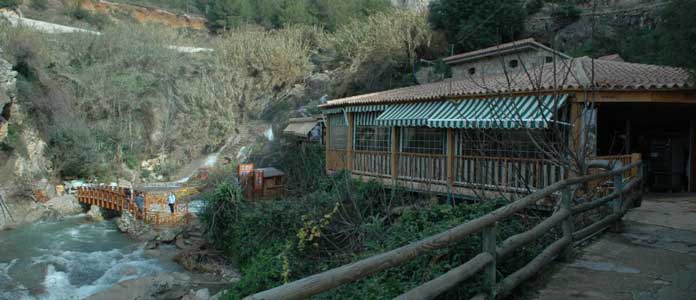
308 129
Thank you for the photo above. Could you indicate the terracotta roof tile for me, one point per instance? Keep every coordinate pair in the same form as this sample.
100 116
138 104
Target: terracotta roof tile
570 75
529 42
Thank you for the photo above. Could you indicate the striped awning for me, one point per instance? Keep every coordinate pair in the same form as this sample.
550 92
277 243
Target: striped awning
367 118
337 120
359 108
408 114
504 112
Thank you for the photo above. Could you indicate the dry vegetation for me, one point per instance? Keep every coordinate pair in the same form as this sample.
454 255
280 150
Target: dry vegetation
118 98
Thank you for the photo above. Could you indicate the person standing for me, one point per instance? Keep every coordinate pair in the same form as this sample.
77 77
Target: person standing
140 201
171 199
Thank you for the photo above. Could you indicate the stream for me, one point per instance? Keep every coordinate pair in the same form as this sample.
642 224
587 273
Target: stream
70 259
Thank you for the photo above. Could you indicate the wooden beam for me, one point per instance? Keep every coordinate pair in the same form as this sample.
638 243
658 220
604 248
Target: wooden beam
327 145
395 153
644 96
692 157
349 143
450 158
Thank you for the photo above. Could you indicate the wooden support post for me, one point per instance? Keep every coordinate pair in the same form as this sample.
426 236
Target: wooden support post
635 157
617 203
450 161
395 154
692 157
488 245
349 142
567 225
327 162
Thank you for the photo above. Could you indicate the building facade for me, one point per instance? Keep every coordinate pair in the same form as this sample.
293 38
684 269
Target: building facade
509 57
517 132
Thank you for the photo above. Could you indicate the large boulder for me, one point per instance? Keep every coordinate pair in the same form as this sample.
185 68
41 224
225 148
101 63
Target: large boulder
146 288
202 294
65 205
95 214
127 223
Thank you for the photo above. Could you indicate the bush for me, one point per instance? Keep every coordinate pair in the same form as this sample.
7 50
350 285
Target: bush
274 14
339 221
13 140
39 4
533 6
471 25
565 14
98 20
10 3
378 53
74 151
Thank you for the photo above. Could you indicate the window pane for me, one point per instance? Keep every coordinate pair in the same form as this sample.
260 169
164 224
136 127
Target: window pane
507 143
371 138
339 138
423 140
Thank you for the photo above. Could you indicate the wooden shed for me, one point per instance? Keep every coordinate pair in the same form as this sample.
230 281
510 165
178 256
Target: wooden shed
308 129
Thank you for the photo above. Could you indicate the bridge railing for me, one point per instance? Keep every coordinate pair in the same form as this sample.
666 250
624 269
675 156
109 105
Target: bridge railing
493 252
155 207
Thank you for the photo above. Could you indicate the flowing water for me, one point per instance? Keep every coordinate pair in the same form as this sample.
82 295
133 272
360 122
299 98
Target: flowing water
70 259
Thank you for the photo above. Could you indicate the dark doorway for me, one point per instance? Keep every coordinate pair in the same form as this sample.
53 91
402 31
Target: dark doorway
660 132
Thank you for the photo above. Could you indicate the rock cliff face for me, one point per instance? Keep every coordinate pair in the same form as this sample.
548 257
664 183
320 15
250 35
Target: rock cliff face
607 18
7 94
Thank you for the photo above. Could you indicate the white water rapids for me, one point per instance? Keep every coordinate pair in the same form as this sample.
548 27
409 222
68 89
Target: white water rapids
70 259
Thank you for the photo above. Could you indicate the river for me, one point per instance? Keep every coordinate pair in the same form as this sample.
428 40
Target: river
70 259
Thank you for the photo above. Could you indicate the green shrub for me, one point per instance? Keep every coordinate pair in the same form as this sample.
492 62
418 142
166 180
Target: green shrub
565 14
39 4
13 140
74 151
339 220
98 20
533 6
471 25
10 3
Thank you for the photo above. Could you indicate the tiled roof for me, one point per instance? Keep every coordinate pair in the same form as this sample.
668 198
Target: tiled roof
570 75
530 42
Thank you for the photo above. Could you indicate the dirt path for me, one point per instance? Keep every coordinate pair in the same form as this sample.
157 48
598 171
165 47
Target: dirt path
653 257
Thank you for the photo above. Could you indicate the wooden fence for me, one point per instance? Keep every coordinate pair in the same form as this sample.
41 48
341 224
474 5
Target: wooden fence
372 163
493 251
506 173
423 167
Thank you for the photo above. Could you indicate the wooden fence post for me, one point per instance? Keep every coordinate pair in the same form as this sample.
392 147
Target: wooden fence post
617 203
638 201
568 225
488 244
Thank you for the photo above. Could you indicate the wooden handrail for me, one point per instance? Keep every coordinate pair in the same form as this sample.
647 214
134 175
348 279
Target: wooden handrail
327 280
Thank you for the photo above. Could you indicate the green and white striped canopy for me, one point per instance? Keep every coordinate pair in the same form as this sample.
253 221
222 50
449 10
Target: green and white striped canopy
361 108
367 118
408 114
504 112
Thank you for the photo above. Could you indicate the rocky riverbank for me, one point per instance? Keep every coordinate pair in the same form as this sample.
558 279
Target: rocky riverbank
208 272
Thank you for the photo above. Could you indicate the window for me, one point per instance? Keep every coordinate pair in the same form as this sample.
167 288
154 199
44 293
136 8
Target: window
338 134
339 138
371 138
549 59
506 143
513 63
472 71
423 140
